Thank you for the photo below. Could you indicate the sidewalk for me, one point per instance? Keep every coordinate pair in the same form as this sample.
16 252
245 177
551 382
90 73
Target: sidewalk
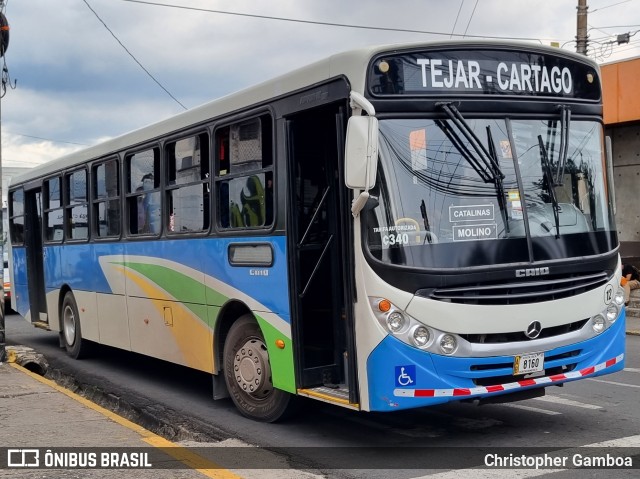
633 325
37 413
40 420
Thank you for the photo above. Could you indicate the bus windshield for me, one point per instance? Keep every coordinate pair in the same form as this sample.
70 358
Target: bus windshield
456 193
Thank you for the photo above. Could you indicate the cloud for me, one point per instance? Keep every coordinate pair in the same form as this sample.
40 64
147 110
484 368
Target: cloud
77 84
18 150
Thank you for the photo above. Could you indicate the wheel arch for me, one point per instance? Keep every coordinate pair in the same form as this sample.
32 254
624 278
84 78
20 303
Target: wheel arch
64 289
229 314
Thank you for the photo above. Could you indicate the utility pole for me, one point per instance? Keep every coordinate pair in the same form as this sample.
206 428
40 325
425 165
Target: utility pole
581 36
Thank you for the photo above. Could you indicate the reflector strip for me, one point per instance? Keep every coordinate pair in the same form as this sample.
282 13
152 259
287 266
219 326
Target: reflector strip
465 392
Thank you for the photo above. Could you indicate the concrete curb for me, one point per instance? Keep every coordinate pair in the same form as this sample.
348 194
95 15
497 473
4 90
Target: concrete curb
28 358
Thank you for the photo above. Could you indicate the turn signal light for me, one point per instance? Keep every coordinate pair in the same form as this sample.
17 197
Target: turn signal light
384 305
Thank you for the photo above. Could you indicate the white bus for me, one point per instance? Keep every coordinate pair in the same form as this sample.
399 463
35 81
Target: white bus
389 228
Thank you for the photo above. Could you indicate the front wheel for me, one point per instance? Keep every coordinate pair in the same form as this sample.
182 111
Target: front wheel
76 347
247 373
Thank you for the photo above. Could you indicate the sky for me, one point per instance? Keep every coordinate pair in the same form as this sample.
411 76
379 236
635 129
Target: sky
78 85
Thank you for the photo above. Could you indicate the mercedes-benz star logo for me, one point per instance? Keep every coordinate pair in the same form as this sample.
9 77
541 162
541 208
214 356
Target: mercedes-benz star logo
533 330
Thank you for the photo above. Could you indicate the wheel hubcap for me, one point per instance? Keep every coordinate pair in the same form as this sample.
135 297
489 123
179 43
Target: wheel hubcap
69 325
252 370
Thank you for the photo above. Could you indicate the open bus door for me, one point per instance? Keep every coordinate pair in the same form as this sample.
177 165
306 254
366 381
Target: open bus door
35 256
320 254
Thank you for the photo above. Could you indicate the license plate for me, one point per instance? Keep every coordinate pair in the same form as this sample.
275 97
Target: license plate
528 363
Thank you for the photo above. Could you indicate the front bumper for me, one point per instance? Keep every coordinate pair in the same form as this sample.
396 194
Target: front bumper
402 377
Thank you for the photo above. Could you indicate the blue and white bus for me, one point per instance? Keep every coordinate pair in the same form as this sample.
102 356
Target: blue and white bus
390 228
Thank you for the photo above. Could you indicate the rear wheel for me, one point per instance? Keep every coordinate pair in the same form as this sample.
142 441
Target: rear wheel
76 347
247 373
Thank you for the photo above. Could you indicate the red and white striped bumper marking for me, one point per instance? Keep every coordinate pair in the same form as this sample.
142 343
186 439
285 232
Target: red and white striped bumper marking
463 392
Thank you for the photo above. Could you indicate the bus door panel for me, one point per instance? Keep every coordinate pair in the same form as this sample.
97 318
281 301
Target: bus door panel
19 285
51 257
319 259
111 300
35 255
168 331
166 303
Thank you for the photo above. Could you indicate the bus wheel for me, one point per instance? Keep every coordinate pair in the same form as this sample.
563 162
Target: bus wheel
71 333
247 372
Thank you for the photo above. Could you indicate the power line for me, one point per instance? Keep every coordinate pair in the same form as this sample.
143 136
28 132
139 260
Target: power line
132 56
609 6
620 26
470 18
50 140
457 16
329 24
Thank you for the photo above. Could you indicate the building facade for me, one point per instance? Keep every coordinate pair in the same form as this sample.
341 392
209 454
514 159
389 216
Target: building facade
621 94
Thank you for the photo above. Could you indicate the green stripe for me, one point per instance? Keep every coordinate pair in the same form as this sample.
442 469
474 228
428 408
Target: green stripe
195 295
282 370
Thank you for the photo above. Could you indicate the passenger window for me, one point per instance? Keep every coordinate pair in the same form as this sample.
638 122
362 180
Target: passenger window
106 199
16 217
188 184
244 181
143 195
77 210
53 211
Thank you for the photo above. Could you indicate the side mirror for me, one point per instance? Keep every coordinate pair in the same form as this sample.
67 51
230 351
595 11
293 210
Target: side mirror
361 152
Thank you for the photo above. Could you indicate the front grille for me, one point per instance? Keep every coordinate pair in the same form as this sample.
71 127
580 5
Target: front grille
521 292
499 338
492 374
493 380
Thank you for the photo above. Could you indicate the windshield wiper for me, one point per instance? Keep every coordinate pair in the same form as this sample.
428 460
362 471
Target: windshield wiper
459 145
489 163
486 163
563 151
548 175
425 220
497 179
565 121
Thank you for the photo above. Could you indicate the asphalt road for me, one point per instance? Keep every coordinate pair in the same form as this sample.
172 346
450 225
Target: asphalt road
602 411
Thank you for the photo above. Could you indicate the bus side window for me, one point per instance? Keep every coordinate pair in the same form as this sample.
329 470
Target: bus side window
106 199
244 177
16 216
143 192
53 211
187 184
76 209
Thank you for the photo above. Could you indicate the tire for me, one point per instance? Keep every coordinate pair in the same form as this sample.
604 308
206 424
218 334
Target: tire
76 347
247 373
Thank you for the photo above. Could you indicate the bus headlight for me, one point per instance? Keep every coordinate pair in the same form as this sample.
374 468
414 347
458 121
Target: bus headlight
448 344
597 323
407 329
619 297
395 321
421 336
612 312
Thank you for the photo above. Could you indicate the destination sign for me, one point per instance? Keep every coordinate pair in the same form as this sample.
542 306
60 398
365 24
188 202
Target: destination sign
485 72
471 213
475 232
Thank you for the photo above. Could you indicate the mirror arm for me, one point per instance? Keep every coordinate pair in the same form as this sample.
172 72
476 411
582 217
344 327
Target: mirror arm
359 102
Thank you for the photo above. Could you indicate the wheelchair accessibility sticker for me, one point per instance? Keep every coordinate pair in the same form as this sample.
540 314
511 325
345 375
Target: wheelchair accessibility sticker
405 376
